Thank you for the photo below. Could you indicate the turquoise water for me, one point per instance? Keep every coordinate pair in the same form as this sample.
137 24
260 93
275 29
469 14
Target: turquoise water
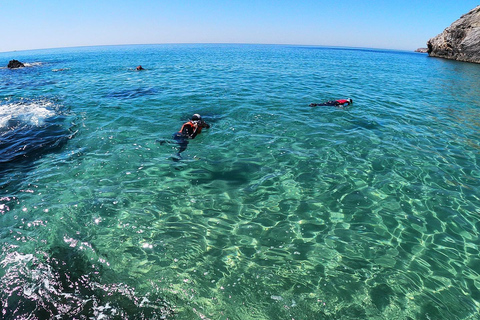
278 211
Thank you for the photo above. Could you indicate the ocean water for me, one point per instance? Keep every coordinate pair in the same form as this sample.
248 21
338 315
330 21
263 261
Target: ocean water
278 211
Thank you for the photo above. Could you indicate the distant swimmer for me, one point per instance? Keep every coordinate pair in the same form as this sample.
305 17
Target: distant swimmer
334 103
140 68
189 130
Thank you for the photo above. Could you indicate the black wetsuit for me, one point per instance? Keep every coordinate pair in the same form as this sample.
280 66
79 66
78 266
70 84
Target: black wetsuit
333 103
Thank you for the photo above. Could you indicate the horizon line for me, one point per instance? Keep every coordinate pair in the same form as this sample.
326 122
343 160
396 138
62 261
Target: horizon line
208 43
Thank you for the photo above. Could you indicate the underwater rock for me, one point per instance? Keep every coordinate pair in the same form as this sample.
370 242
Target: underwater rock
14 64
460 41
30 129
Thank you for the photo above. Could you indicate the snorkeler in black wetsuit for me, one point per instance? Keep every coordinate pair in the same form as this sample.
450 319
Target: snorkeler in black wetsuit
189 131
334 103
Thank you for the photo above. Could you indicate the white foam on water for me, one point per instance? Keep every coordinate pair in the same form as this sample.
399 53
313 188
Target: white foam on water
32 113
16 258
32 64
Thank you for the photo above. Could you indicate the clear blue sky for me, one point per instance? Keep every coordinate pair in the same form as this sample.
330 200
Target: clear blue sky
389 24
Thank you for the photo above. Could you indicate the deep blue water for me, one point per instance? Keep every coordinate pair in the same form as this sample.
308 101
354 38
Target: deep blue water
278 211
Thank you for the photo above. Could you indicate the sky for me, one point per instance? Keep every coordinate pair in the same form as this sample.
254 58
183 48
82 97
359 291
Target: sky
383 24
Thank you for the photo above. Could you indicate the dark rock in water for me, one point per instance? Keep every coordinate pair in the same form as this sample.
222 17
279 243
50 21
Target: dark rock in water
13 64
31 129
62 283
422 50
460 41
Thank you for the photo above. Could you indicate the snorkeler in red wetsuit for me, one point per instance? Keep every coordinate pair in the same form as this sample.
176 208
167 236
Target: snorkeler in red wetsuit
334 103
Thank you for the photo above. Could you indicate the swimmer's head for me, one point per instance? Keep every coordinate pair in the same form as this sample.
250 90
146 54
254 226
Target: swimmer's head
196 117
350 100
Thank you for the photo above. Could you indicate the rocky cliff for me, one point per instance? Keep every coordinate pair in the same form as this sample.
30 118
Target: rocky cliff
460 41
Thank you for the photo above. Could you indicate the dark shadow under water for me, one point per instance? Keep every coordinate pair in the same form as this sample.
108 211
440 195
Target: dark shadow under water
132 93
23 143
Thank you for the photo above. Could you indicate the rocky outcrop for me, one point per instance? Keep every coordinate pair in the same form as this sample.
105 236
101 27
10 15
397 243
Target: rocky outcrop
422 50
460 41
13 64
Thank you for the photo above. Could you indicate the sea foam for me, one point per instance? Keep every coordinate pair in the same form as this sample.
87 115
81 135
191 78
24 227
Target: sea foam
31 113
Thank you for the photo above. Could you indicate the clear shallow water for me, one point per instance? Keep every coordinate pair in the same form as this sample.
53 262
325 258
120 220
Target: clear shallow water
278 211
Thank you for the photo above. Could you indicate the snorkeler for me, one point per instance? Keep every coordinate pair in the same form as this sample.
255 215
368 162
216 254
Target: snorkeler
189 130
334 103
139 68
